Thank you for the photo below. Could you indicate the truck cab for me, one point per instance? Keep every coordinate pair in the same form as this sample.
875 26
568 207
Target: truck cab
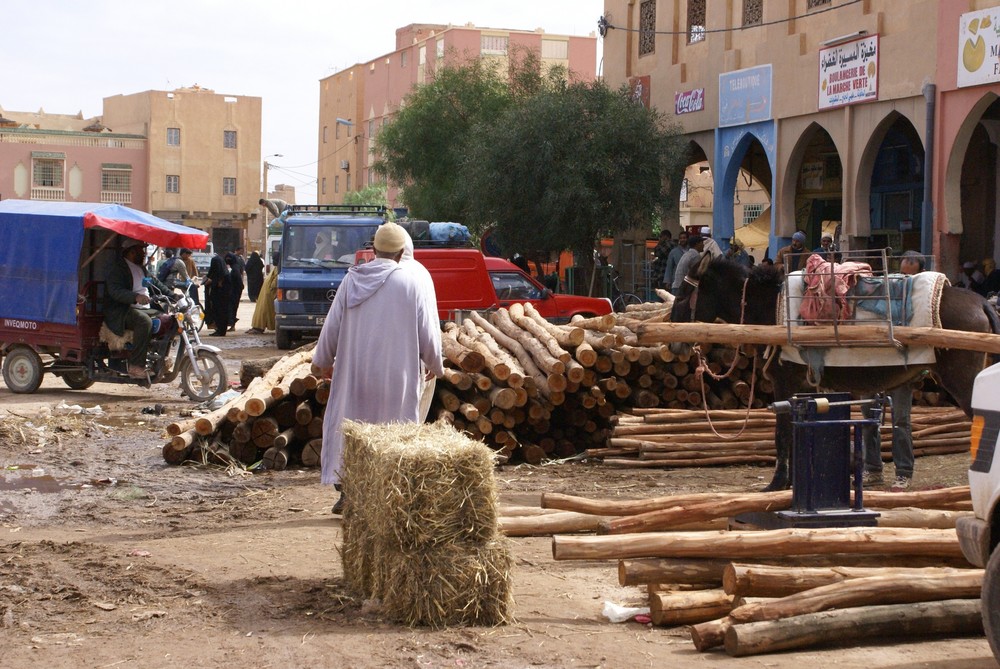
318 246
979 536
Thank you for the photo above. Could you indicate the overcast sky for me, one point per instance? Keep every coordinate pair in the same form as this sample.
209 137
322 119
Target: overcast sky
65 56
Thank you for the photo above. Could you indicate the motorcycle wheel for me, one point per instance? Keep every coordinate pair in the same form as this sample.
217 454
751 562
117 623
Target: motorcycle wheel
210 382
78 380
22 369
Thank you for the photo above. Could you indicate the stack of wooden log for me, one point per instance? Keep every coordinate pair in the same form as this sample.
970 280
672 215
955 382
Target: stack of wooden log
277 420
681 438
757 591
533 390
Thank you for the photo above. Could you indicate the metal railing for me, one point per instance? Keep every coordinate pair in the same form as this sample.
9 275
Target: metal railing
48 193
116 197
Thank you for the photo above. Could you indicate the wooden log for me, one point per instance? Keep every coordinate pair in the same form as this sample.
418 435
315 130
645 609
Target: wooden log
949 617
275 459
601 323
565 336
179 427
777 335
688 608
460 380
173 455
264 431
665 518
303 413
536 344
284 438
465 359
251 369
493 366
311 452
706 572
865 540
925 499
207 424
284 413
761 580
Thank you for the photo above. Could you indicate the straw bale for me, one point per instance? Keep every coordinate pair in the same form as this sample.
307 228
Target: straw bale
420 525
451 584
423 485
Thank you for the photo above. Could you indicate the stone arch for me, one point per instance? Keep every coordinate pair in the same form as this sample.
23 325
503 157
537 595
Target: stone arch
814 140
956 159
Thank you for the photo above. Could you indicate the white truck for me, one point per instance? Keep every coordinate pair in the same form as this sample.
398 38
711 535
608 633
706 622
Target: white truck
979 536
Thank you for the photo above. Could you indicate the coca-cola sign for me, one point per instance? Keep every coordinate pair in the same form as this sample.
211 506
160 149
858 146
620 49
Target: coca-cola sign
689 101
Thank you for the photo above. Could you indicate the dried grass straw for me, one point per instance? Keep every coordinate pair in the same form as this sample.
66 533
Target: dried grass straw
420 525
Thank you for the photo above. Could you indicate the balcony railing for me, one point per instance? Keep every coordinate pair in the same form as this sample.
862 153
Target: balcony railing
116 197
48 193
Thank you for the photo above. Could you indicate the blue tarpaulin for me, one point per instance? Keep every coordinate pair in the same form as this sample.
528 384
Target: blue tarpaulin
40 246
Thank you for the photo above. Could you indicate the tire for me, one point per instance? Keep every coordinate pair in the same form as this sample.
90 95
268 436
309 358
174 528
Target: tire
78 380
214 380
991 602
22 370
624 300
283 339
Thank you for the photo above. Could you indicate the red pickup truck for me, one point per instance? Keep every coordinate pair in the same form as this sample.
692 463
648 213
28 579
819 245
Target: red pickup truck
466 280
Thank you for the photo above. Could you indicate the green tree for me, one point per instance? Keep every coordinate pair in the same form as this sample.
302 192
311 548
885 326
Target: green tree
568 165
372 194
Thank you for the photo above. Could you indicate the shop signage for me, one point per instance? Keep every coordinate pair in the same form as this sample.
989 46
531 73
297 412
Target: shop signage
689 101
979 47
848 73
745 96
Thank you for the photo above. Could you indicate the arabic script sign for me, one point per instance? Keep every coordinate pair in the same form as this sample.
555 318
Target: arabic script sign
979 47
745 96
848 73
689 101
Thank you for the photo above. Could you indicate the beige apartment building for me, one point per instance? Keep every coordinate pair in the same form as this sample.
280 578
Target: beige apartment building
356 102
204 159
879 115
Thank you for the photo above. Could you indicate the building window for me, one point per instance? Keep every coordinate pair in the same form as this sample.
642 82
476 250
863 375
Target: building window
439 48
173 136
229 139
229 185
323 189
173 183
647 27
813 4
347 184
696 21
47 173
493 45
751 212
324 134
336 131
336 184
556 49
403 58
116 184
371 128
753 12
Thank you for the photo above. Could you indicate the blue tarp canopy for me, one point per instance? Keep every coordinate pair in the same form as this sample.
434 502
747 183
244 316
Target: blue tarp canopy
40 246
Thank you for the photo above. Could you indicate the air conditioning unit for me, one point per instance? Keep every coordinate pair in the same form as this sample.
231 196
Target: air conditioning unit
345 165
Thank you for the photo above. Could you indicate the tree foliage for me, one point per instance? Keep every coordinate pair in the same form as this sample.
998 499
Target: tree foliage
567 166
372 194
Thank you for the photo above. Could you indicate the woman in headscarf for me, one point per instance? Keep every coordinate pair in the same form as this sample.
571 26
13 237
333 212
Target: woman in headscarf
218 296
235 287
255 275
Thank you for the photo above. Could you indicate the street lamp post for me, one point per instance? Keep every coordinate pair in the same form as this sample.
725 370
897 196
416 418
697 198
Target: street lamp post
267 166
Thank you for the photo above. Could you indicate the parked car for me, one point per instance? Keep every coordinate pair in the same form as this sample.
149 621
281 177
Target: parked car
466 280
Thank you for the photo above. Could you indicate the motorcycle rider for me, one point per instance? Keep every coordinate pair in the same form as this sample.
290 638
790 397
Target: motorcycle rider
126 302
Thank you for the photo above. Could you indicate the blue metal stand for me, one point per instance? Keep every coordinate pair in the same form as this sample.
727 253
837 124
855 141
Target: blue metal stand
822 468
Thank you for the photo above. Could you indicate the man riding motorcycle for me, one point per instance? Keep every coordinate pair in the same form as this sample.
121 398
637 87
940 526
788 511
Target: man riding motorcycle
126 302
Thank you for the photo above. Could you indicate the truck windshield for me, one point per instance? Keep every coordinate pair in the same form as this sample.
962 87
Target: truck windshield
324 245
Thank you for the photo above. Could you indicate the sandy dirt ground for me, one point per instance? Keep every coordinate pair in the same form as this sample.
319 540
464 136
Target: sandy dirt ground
110 558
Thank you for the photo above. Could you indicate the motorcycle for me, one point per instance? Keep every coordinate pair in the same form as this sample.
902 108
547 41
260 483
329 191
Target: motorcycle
52 318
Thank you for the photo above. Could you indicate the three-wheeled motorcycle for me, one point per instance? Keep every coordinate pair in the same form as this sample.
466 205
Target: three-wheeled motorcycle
53 260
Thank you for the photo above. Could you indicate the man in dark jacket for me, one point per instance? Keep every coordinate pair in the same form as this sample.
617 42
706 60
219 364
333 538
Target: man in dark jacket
126 302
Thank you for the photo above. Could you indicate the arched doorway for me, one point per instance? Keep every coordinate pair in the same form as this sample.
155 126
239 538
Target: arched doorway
818 187
743 192
978 189
897 188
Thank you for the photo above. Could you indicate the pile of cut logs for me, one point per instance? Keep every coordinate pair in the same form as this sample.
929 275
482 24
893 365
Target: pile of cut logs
533 390
277 419
758 591
680 438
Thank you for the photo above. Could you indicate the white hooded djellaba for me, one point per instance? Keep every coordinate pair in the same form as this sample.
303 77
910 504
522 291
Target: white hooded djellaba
380 328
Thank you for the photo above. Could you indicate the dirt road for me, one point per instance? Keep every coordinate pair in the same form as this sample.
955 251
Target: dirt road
109 558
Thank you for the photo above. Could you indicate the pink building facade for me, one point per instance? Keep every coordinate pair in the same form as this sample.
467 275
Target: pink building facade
72 166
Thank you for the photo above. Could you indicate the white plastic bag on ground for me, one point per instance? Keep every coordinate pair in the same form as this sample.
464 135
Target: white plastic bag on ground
617 613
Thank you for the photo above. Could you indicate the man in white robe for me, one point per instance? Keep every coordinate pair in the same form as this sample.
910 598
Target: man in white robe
380 329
